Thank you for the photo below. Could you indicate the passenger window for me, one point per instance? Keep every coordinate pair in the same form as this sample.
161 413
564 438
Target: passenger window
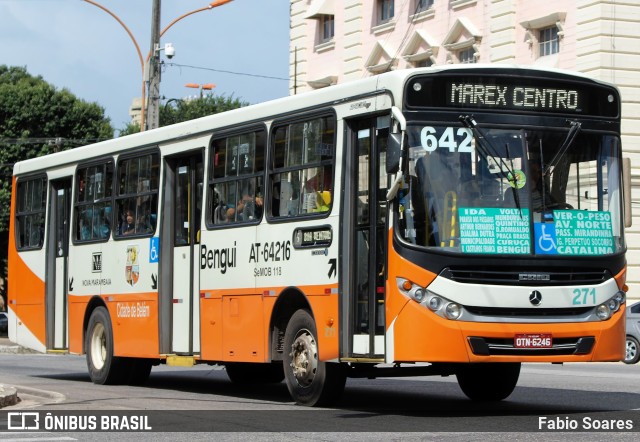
301 176
30 213
137 197
93 202
236 184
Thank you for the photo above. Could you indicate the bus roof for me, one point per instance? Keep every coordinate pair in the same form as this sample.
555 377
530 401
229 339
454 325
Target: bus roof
390 81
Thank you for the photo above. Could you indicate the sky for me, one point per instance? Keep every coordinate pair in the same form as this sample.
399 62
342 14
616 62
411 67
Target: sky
242 47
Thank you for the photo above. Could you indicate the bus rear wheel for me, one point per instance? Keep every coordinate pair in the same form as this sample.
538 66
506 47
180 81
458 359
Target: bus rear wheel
310 381
488 381
104 367
252 373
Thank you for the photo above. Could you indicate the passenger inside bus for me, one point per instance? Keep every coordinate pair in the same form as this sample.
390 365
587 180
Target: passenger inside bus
128 226
323 201
249 206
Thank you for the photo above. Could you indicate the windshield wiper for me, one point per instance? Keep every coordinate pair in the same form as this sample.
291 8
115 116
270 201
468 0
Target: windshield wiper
568 141
487 150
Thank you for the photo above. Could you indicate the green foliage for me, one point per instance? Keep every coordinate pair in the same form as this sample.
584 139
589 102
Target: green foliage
176 111
33 114
129 129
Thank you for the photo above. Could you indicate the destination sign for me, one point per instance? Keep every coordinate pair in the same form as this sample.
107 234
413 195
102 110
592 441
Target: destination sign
312 237
494 230
461 94
513 91
575 232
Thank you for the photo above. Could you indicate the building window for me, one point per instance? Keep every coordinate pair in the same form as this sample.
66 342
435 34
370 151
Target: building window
301 172
93 202
548 41
236 187
30 213
326 28
137 198
385 11
423 5
543 34
467 56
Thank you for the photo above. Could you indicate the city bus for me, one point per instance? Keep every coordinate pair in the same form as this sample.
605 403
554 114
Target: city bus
451 221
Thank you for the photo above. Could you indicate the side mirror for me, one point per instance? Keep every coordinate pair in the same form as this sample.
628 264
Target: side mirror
393 152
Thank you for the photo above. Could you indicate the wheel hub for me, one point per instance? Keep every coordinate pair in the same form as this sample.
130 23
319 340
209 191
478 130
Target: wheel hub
304 359
98 347
631 350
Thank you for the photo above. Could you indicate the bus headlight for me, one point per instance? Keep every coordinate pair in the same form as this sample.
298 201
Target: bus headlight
620 297
453 310
413 291
613 305
603 312
434 304
610 306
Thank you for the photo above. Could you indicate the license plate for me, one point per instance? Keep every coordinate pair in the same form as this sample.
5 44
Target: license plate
543 340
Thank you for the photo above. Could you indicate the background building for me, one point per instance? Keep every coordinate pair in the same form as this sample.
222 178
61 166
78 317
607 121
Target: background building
335 41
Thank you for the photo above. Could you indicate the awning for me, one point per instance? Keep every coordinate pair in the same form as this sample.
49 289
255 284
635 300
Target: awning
321 7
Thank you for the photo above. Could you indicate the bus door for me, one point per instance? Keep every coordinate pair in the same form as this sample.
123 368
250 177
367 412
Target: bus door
57 262
184 177
367 233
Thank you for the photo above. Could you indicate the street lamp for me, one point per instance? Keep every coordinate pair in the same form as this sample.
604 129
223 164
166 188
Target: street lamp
153 104
206 87
135 43
154 99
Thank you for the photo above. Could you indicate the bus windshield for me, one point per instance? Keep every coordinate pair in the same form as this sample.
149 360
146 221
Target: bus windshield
551 191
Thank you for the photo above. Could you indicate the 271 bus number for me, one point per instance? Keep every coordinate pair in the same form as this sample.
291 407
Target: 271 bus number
583 296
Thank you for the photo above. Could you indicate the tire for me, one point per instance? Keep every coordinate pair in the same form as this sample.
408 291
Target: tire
632 351
104 367
488 381
250 373
310 381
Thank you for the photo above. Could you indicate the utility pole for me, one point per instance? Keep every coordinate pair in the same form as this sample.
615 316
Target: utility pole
153 100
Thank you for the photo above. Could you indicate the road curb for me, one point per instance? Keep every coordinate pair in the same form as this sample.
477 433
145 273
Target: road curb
8 396
16 349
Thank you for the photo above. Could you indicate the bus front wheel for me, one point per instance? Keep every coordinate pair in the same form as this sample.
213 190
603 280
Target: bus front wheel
104 367
310 381
488 381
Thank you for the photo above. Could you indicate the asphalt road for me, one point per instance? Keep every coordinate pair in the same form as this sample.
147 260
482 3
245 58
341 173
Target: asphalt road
203 399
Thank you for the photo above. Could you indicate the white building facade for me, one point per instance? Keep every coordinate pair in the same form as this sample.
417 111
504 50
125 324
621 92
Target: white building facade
336 41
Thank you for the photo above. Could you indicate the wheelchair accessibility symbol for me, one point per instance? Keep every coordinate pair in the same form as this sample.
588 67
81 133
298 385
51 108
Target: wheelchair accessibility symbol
545 238
154 250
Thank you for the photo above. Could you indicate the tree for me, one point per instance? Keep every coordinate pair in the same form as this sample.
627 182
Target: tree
37 119
177 111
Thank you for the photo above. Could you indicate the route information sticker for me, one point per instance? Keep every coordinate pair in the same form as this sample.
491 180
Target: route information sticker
494 230
575 232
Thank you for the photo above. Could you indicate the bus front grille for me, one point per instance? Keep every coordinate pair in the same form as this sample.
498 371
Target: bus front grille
526 277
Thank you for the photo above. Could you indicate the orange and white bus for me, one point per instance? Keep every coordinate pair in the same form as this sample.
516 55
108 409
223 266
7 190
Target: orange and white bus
456 220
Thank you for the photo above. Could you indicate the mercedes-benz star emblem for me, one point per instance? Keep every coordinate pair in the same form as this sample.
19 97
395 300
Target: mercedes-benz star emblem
535 297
